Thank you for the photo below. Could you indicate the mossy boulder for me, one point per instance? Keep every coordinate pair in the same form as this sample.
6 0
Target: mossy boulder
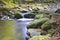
17 16
35 10
44 37
47 25
36 23
40 16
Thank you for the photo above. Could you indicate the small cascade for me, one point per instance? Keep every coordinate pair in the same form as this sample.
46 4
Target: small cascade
21 28
24 14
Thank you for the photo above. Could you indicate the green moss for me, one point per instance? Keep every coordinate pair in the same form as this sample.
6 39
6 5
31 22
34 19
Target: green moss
40 37
36 23
18 16
36 10
47 25
40 16
9 3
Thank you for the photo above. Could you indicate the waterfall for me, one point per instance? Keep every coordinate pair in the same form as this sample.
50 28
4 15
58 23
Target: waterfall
24 14
21 28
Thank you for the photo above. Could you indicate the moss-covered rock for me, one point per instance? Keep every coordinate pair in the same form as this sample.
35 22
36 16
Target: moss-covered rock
40 37
47 25
18 16
36 23
35 10
40 16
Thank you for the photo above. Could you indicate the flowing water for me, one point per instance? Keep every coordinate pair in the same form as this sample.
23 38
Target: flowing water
21 27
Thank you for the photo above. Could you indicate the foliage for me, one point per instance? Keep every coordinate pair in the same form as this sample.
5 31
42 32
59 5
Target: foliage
9 3
36 23
51 31
1 3
41 37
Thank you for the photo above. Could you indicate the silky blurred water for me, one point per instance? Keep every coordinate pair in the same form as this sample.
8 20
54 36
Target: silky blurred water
21 28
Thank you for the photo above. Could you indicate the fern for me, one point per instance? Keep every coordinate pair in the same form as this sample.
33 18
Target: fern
9 3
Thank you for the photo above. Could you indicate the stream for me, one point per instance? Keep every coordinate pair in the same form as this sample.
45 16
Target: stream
21 27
